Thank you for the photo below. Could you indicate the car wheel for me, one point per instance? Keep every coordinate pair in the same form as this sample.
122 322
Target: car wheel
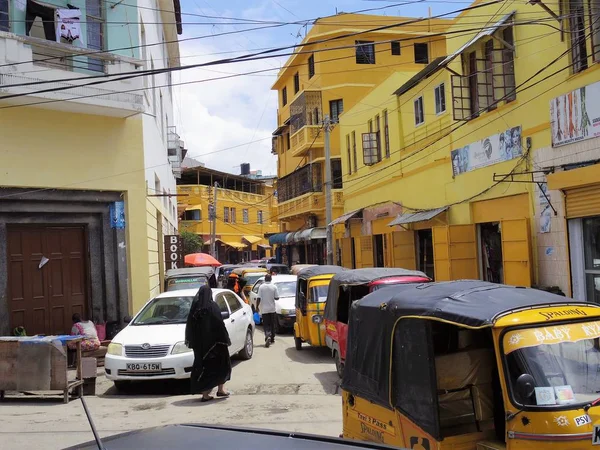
122 386
248 350
297 342
339 365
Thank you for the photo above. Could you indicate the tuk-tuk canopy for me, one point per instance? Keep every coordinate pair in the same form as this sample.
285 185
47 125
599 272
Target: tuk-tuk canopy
206 270
314 271
361 276
469 303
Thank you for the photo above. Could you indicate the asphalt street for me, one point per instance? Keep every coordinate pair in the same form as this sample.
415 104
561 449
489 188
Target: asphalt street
279 388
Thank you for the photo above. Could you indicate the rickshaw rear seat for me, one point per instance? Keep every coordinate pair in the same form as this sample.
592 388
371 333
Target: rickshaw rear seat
465 393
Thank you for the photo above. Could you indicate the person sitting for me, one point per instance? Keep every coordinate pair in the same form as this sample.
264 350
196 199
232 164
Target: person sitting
87 329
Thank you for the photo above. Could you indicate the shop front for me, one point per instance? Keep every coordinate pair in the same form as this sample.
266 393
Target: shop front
581 189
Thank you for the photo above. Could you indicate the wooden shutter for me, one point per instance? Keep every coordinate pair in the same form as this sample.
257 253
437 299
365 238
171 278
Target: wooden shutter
583 201
366 250
441 253
347 253
404 254
516 252
463 252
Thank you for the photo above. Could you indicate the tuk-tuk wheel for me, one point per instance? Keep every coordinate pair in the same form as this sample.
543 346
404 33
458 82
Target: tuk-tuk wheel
298 342
339 365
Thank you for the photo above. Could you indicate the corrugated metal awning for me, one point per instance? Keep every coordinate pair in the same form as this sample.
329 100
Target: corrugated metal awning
234 244
485 32
345 217
318 233
252 239
420 216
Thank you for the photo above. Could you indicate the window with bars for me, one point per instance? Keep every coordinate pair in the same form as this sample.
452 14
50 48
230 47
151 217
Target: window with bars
259 217
4 16
386 134
365 52
504 75
95 33
336 173
284 96
488 75
245 216
336 107
396 48
226 214
311 66
577 35
233 215
419 113
421 53
302 181
296 83
349 154
594 6
440 98
371 150
354 154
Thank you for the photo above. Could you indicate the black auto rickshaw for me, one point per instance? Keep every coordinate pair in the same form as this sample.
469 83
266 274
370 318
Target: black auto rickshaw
472 365
189 278
278 269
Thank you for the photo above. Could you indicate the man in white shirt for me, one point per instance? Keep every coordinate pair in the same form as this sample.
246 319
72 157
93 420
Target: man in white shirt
265 302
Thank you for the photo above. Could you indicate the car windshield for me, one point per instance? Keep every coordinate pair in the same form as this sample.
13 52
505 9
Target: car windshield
286 288
564 361
177 284
252 278
164 310
282 270
318 294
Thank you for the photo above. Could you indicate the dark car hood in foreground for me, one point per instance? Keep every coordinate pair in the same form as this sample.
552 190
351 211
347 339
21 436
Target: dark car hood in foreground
201 437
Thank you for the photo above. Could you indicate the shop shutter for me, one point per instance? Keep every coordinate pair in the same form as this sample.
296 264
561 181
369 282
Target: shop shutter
347 253
516 252
366 250
404 254
441 253
583 201
463 252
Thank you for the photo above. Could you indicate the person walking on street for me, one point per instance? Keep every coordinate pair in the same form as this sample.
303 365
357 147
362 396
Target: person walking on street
206 335
265 302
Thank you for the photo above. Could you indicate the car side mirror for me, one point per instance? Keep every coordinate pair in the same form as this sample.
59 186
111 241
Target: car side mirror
127 319
525 386
225 315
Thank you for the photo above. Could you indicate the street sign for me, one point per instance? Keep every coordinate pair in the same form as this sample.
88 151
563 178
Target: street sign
173 252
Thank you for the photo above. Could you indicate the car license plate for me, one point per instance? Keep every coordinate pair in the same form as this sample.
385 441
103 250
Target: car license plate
144 367
596 435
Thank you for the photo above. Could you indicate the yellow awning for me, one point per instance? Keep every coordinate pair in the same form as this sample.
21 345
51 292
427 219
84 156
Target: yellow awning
193 207
234 244
252 239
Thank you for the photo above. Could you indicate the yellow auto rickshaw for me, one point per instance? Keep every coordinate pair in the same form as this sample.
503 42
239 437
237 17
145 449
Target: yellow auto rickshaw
472 365
311 295
246 277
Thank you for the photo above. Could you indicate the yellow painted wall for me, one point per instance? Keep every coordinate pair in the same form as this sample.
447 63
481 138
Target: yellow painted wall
201 195
104 153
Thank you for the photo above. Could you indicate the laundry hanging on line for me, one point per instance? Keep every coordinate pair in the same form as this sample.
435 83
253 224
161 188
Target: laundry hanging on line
68 24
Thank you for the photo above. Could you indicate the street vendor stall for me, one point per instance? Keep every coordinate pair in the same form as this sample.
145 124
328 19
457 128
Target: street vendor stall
38 363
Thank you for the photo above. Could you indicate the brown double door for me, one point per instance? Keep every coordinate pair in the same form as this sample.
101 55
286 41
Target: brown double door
47 278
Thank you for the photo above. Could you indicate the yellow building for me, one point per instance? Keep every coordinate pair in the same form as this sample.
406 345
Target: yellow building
243 212
458 196
338 63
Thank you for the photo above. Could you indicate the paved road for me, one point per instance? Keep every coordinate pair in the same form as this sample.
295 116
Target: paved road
279 388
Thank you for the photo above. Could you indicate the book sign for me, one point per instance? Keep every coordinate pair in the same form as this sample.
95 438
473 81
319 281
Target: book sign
173 252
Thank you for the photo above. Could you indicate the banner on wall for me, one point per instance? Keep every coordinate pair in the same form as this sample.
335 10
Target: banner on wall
491 150
575 116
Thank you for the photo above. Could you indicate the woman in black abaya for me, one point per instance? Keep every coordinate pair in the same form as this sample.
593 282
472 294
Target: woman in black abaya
206 334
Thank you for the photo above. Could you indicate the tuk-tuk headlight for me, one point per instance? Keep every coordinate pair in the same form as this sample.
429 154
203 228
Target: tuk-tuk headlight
317 318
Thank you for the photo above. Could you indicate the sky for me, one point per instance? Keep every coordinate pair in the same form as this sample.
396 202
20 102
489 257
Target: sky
230 121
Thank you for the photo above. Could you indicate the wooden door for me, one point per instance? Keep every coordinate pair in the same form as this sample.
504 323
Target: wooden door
366 250
455 252
404 250
47 273
516 252
347 253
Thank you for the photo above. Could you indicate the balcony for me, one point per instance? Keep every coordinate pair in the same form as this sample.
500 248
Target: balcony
309 136
22 68
311 203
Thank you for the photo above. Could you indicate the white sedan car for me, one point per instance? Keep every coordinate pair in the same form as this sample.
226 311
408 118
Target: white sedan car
285 307
152 347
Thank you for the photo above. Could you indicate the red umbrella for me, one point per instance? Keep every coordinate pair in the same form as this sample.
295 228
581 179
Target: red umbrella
201 260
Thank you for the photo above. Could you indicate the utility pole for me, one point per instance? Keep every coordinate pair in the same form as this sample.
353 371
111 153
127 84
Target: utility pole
328 212
213 233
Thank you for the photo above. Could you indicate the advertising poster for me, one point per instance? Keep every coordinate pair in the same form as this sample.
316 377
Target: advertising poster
575 116
491 150
117 215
